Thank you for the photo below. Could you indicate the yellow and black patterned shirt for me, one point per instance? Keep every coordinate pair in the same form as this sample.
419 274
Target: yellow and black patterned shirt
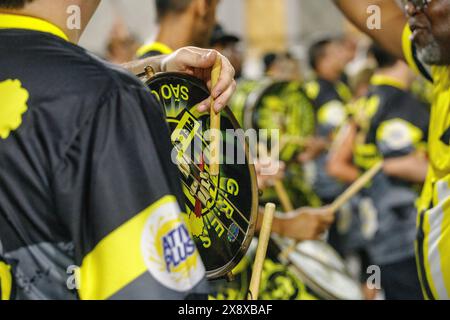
433 242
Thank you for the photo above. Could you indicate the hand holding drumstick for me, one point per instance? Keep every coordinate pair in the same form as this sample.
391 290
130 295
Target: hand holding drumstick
327 212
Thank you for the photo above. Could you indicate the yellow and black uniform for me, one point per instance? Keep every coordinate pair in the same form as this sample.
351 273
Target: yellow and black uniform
329 100
433 242
89 197
393 123
152 50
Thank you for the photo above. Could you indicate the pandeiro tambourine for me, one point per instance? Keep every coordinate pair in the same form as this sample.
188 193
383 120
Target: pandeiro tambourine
282 106
221 211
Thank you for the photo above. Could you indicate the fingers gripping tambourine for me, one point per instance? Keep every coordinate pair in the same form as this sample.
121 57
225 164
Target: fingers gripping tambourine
221 210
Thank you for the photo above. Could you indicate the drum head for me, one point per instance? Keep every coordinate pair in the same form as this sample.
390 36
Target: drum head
322 270
283 106
239 100
221 211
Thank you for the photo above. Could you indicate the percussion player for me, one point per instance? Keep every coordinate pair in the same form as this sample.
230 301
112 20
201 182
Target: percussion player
423 40
181 23
392 124
85 155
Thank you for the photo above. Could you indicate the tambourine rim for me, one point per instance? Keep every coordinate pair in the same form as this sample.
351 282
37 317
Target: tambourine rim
227 268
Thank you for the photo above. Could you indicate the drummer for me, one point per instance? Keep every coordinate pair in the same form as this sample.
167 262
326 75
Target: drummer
329 95
86 161
389 123
182 23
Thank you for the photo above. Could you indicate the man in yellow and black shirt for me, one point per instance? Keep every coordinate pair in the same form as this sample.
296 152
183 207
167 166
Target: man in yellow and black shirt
89 197
425 44
388 124
181 23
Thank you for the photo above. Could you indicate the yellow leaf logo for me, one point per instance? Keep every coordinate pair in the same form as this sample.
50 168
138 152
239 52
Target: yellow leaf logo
13 104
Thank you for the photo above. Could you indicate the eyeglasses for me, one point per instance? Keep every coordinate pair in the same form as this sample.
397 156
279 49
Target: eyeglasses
418 4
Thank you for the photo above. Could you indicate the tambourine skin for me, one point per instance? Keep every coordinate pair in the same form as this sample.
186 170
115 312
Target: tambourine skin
221 211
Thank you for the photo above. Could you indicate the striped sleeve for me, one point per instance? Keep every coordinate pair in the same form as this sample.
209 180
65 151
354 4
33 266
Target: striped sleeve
119 194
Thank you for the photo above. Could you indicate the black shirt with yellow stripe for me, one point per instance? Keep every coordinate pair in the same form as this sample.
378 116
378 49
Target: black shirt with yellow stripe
393 123
89 197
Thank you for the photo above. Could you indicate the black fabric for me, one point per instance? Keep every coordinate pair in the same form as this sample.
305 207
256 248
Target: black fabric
92 151
400 281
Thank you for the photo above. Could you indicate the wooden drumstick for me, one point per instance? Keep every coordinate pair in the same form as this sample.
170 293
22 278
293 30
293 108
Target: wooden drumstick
261 251
214 167
352 191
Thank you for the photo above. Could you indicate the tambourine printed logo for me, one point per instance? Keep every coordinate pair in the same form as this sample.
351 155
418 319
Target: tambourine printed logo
169 252
175 92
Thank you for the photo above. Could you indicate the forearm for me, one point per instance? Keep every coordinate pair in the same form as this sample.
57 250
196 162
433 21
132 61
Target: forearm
412 168
345 172
393 20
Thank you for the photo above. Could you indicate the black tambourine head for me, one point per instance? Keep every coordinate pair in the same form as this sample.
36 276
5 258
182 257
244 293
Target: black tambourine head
220 211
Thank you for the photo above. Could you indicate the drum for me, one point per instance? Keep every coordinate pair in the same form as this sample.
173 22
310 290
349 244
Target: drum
282 106
313 272
221 211
238 101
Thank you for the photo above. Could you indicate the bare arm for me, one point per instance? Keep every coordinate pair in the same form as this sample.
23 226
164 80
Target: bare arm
198 63
340 164
302 224
393 21
412 168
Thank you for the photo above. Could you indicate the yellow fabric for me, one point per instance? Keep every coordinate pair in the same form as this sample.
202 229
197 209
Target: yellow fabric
344 92
431 202
11 21
117 260
5 281
155 46
382 80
